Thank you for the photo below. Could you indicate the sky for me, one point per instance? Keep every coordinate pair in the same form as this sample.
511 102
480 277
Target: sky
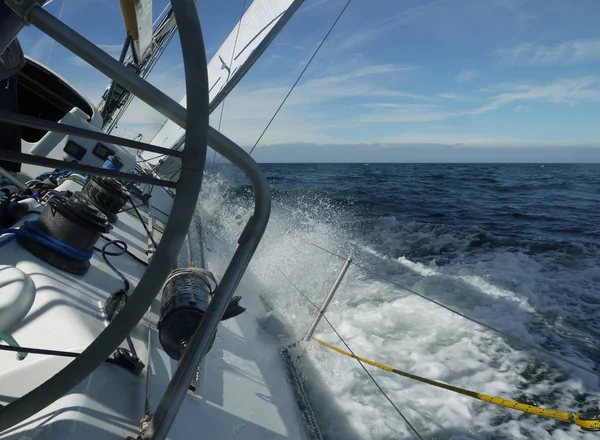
411 80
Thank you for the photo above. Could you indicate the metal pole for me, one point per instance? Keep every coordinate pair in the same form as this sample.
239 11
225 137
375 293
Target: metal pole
113 84
42 124
328 299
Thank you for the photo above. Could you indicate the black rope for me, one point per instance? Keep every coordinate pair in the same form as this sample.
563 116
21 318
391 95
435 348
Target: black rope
123 248
114 254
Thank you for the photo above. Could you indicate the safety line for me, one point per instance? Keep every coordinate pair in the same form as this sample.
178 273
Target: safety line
358 360
585 421
462 315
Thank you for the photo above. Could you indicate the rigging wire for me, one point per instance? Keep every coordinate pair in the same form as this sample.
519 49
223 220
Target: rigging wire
339 16
301 74
237 34
294 85
413 429
462 315
62 7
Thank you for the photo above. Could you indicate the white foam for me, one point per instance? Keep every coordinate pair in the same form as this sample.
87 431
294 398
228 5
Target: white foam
383 322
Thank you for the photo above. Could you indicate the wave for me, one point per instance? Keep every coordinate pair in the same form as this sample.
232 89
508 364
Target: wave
534 290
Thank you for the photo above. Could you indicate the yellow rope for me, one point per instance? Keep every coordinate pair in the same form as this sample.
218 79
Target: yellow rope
591 423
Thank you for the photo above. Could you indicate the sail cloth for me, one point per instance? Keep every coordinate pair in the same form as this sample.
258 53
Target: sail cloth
137 15
258 27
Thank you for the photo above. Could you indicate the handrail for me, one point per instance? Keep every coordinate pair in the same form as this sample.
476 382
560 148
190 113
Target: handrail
248 242
184 205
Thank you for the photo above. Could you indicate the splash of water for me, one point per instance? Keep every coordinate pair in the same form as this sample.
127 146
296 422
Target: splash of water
506 288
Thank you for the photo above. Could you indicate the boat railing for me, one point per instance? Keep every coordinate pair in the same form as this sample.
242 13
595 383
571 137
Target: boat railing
198 135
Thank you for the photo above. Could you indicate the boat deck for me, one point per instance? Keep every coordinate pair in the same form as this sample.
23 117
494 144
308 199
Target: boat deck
243 392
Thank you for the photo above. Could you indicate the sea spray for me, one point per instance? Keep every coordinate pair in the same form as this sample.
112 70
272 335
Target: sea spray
537 290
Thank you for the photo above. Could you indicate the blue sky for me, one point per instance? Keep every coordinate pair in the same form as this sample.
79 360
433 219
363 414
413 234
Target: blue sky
503 75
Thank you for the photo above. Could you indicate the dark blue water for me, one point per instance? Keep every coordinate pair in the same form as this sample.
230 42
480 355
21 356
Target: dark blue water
516 246
521 203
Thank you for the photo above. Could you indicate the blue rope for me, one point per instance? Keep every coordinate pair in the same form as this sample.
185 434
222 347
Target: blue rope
30 230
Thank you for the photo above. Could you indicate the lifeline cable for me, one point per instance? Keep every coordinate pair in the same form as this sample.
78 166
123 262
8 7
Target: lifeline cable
586 421
33 350
358 360
487 326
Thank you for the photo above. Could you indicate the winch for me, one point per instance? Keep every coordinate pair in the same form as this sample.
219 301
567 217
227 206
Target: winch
65 233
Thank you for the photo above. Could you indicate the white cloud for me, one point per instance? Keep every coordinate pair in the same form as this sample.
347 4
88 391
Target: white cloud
564 53
466 75
572 91
452 96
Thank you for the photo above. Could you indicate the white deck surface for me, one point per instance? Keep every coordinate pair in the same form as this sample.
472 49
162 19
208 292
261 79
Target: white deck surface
243 394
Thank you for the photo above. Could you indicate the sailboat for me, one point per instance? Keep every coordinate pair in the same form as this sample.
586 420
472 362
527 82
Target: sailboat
113 324
108 308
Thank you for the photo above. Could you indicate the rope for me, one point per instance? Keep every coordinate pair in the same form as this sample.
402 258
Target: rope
31 231
585 421
122 246
462 315
358 359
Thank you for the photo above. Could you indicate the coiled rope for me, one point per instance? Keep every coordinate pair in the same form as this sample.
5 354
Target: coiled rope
30 230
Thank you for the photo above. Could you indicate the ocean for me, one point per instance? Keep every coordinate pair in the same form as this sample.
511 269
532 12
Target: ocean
514 246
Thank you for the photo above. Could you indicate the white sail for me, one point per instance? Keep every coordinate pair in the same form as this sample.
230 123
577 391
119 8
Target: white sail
137 15
258 27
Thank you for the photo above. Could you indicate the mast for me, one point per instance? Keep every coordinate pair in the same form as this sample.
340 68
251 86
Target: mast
146 52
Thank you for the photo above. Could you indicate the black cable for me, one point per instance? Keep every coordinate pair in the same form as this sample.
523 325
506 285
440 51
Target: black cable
143 223
126 284
128 252
131 207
